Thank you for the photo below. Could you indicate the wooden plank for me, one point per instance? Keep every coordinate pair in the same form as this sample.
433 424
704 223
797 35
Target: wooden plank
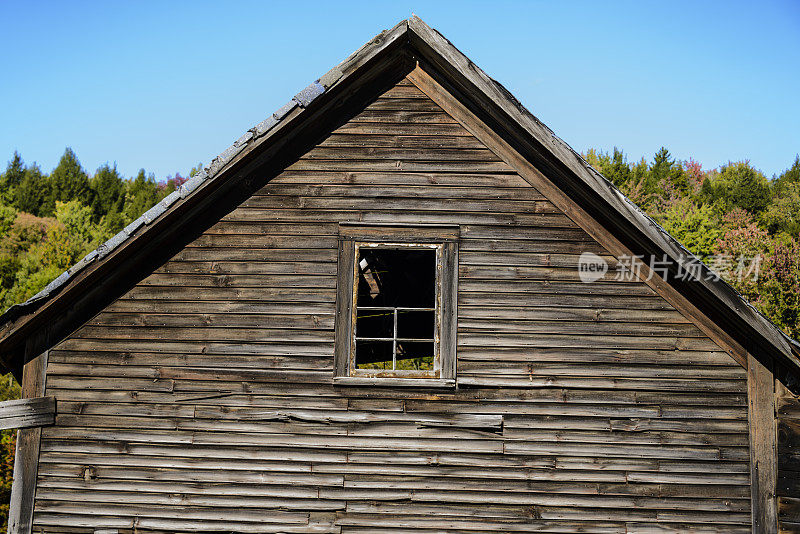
344 307
410 216
26 458
449 312
763 446
27 413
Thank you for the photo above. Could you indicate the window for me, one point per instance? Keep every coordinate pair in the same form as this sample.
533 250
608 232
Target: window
396 305
396 310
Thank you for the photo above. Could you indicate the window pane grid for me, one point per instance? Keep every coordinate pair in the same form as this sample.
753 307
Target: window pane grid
395 316
394 339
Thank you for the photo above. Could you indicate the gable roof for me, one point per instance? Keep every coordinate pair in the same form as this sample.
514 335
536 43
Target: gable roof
408 42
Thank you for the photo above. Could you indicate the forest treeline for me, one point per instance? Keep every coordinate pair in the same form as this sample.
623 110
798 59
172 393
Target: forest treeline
744 225
50 221
741 224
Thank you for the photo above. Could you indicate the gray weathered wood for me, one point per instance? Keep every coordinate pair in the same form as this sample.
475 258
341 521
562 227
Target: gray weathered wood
27 413
26 458
763 446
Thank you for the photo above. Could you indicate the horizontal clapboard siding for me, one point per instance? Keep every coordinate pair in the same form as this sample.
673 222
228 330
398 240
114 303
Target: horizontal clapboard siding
203 399
788 490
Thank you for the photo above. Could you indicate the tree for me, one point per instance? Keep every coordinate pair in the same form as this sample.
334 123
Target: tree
30 195
666 177
787 177
696 227
65 242
24 234
737 185
742 246
68 181
661 167
614 167
9 262
108 192
779 284
783 214
141 194
10 179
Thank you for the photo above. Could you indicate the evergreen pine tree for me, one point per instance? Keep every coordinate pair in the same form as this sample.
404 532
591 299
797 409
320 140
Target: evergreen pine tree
31 194
108 192
10 179
68 181
789 176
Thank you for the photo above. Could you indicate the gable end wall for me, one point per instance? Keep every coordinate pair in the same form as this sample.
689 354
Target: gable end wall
202 399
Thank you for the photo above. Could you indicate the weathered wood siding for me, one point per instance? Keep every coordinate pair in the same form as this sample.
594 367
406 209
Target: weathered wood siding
788 412
203 398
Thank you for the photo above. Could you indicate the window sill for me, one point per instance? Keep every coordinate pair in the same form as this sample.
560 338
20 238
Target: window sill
394 382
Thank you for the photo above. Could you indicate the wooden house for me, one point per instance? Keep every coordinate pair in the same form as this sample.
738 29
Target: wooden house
402 305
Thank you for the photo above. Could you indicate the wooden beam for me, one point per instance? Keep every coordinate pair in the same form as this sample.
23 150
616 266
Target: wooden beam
26 460
570 208
763 446
27 413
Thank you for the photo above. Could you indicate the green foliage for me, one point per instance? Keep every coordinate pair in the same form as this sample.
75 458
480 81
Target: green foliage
783 214
68 181
695 226
614 167
779 286
66 240
745 227
666 174
737 185
649 185
31 193
47 223
142 192
787 177
108 192
21 231
11 179
7 217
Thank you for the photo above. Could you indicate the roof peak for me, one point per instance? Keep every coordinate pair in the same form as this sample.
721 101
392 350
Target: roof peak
18 321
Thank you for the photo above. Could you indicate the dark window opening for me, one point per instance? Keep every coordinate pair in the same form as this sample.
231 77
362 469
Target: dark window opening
395 309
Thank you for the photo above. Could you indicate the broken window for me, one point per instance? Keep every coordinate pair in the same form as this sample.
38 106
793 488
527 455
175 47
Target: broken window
396 302
396 317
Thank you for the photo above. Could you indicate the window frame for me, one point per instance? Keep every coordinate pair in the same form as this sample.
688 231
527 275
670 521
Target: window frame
444 239
437 309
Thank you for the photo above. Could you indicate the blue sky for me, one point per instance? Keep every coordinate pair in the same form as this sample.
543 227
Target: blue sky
166 85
